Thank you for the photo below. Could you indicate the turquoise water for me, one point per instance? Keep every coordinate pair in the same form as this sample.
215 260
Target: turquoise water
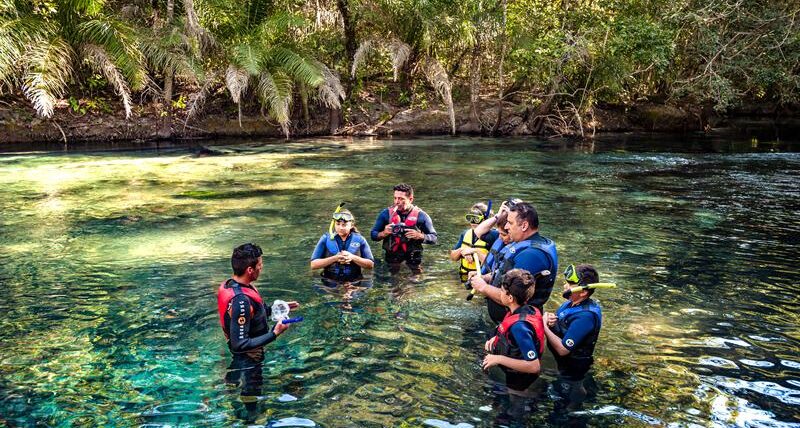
109 262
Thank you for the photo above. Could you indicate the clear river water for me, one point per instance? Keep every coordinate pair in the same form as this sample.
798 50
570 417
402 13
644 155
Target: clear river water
109 263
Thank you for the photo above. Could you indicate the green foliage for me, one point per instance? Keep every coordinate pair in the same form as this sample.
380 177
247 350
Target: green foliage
698 51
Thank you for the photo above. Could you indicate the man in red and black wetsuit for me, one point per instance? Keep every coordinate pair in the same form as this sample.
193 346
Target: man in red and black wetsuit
245 322
403 228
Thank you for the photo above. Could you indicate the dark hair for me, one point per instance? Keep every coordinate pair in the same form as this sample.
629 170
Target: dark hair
527 212
501 224
520 284
587 274
403 187
245 256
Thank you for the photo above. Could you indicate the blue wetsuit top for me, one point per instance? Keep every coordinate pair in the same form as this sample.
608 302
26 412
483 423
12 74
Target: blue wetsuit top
489 238
526 340
424 224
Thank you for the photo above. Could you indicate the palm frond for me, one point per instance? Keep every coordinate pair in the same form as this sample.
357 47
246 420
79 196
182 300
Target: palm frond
330 92
399 52
197 100
118 41
236 80
248 56
275 92
17 34
299 67
278 24
49 68
437 76
168 53
362 52
97 58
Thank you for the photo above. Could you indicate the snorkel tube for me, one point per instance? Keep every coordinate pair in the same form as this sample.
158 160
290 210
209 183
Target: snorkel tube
333 221
596 285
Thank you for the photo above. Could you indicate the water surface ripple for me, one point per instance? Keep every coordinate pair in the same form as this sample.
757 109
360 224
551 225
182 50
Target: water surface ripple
110 261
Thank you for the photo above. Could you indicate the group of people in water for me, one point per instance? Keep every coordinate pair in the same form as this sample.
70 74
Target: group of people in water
501 256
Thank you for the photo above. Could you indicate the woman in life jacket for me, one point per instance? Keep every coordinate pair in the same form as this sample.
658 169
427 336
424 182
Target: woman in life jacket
470 244
519 342
344 252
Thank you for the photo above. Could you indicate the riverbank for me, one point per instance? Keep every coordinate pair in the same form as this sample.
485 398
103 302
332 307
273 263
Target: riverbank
372 116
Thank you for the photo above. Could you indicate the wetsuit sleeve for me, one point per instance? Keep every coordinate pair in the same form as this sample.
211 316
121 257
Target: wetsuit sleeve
319 251
460 241
426 226
526 341
366 251
532 260
579 329
239 327
380 223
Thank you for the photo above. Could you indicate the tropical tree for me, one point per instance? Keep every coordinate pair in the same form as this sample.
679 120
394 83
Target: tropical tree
411 32
44 46
261 53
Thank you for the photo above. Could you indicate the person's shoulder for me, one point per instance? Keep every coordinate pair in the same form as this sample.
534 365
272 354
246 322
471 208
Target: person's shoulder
522 326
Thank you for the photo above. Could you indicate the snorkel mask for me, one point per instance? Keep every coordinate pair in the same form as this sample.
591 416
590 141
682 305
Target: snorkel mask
572 276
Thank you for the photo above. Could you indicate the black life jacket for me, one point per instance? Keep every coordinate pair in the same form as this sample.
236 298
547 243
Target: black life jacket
399 243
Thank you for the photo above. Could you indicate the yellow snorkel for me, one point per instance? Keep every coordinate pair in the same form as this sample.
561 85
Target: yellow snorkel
593 286
330 228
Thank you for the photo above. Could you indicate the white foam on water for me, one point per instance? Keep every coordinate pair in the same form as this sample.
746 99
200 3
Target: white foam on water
756 363
292 422
616 410
436 423
791 364
717 362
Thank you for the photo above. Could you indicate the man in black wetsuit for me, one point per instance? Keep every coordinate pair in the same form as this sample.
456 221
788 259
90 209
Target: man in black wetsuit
244 318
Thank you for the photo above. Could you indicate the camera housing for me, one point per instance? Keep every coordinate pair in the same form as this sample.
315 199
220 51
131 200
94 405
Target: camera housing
399 229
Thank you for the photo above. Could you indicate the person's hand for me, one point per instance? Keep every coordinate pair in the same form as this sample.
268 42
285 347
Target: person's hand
279 328
345 257
415 234
388 229
471 273
550 319
477 282
490 361
293 305
489 344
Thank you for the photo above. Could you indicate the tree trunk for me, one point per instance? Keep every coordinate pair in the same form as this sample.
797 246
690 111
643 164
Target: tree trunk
168 74
501 95
475 87
349 36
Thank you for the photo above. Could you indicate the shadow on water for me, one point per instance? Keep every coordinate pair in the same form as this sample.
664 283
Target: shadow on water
110 262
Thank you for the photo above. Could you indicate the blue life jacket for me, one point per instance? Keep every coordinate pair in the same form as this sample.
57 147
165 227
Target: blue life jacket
334 246
505 262
490 264
566 314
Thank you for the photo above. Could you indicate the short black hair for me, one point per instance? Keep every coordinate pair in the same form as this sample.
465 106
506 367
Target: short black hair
520 284
527 212
245 256
588 275
403 187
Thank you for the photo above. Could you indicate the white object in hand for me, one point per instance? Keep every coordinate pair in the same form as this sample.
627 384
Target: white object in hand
280 310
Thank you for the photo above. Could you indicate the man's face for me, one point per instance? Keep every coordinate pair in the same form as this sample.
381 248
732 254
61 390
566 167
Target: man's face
255 272
516 227
402 201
